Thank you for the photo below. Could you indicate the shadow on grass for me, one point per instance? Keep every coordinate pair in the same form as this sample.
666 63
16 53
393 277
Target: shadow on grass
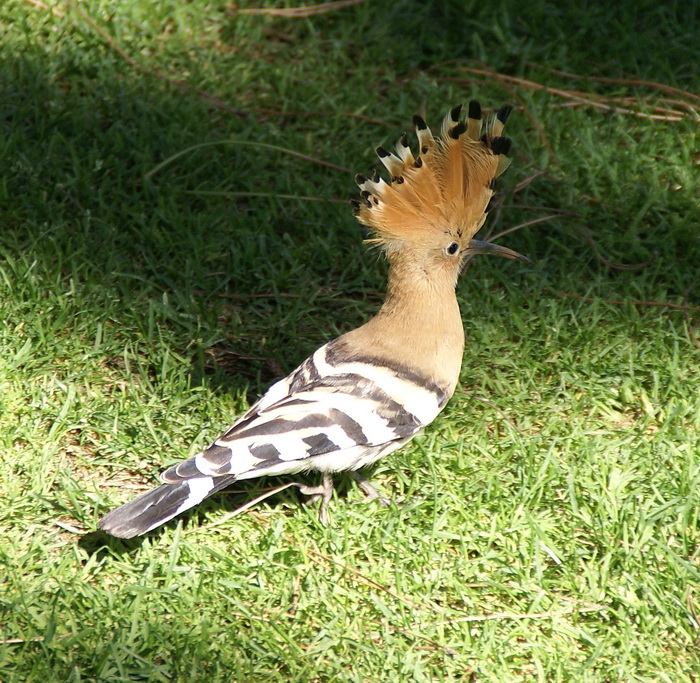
76 205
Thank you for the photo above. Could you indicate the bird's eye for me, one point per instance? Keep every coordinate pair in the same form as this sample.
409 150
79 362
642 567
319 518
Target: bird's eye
452 249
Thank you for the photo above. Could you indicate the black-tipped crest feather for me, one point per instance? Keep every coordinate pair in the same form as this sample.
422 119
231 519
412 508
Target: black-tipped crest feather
501 145
504 113
419 122
458 130
446 187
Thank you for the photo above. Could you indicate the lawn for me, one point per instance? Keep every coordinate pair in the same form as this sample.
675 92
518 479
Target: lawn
176 234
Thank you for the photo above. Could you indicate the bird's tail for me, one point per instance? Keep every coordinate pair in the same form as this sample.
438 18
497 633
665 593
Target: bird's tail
160 505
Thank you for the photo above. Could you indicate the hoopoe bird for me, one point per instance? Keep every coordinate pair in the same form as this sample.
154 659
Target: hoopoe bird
368 392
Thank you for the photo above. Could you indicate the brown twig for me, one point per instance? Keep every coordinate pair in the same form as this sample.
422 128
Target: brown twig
243 297
370 582
504 416
691 333
692 610
240 510
271 195
434 644
319 114
613 302
37 3
297 12
536 125
612 264
662 87
574 609
551 209
670 114
597 101
494 215
580 98
534 221
39 639
244 143
679 116
530 179
688 321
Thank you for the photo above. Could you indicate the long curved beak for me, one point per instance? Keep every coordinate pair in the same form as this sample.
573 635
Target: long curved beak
480 247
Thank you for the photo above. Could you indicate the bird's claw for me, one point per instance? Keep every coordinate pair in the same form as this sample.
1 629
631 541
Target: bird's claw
370 492
324 493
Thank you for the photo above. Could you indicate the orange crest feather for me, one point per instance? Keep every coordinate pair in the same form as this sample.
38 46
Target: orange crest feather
445 189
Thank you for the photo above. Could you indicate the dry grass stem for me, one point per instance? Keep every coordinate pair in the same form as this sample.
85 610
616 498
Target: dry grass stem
613 302
603 102
534 221
612 264
298 12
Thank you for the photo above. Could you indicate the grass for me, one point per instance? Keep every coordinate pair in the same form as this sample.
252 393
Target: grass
544 528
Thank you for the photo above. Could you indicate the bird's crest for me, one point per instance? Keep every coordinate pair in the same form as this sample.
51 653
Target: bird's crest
445 188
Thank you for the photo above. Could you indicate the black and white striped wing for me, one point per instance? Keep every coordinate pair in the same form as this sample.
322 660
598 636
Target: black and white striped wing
333 413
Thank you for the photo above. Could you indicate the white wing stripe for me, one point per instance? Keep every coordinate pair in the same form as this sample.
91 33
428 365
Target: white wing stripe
242 458
199 488
417 400
339 437
276 392
364 412
290 445
323 412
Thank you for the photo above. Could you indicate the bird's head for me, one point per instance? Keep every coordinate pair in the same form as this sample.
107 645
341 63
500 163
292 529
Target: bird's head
436 201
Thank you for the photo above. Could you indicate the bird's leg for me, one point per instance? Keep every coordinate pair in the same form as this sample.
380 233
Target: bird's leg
323 492
370 492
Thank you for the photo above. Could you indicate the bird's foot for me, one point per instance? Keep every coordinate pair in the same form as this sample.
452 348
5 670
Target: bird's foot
370 492
322 492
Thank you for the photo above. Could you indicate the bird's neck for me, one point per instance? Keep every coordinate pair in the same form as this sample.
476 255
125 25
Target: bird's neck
419 323
419 287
